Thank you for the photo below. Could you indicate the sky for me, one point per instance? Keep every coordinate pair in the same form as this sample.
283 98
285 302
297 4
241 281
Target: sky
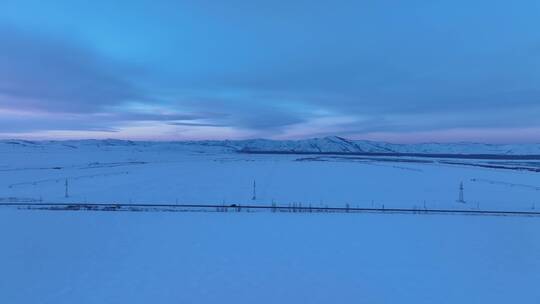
398 71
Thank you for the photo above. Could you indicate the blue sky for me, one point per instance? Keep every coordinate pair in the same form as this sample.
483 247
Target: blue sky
401 71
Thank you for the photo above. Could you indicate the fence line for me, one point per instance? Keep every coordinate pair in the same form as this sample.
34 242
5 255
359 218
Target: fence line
253 208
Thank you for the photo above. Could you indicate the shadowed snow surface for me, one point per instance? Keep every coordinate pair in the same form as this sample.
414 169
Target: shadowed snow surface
86 257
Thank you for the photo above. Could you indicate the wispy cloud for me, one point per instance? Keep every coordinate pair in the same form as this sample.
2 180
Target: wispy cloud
46 73
270 70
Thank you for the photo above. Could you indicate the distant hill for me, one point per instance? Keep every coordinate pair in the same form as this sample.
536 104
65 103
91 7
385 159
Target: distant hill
332 144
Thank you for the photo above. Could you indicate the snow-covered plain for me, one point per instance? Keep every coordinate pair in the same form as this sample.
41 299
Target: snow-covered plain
98 257
191 173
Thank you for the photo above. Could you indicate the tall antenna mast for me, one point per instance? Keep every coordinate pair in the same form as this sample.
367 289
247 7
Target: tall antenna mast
67 193
254 190
461 196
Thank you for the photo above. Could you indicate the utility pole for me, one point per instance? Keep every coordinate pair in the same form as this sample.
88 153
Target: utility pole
461 196
254 191
67 185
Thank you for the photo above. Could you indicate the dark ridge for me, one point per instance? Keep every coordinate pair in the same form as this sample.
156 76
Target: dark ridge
425 155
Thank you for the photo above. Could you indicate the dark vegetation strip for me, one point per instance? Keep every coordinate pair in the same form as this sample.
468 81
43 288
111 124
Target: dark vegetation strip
426 155
506 167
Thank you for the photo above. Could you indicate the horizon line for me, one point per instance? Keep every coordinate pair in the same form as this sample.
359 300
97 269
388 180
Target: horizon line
265 139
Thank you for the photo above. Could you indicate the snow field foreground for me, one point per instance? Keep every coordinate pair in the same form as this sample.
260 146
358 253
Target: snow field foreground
95 257
131 257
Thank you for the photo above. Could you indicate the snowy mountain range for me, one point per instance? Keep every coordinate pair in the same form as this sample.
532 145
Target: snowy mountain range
342 145
332 144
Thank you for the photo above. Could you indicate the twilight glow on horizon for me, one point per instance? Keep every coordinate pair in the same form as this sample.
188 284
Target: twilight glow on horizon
397 71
